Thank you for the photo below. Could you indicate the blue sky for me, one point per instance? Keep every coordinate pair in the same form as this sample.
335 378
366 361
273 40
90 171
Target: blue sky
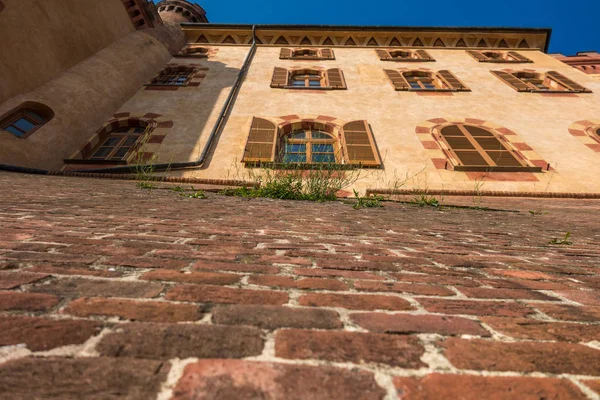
574 24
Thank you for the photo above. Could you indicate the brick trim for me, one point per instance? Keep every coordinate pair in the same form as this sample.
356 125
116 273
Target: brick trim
442 157
488 193
584 131
157 128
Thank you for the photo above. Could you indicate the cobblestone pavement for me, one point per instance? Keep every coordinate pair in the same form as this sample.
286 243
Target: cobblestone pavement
109 291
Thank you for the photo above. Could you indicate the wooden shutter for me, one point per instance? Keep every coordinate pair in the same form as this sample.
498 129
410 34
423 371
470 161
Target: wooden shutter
563 80
335 76
512 81
518 57
477 55
452 81
423 55
383 54
285 53
260 146
327 54
280 78
397 79
359 144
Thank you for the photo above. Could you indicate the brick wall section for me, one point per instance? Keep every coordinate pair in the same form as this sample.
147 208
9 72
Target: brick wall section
106 288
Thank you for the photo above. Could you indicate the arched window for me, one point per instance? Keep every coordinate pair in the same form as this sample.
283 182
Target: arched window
26 119
305 53
404 55
117 144
475 147
551 81
498 56
305 78
421 81
308 146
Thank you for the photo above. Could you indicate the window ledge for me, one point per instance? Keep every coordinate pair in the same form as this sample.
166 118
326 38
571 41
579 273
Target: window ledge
506 62
557 91
310 87
163 85
407 60
433 90
468 168
306 58
88 161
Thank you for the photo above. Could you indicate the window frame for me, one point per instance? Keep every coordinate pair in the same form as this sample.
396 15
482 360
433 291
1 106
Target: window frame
307 73
36 114
506 57
317 54
492 166
418 55
123 137
308 141
164 76
438 86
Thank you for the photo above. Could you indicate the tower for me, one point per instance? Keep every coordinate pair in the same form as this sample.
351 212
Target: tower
178 11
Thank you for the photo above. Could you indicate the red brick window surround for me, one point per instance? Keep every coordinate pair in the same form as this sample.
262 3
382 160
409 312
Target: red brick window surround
587 132
417 80
293 142
499 57
308 78
404 55
539 82
306 54
123 140
195 51
174 77
26 119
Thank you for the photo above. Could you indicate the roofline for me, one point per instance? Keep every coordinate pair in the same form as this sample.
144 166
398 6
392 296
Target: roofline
465 29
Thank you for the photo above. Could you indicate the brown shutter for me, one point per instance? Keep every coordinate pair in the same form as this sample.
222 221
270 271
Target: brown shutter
260 146
383 54
327 54
280 78
359 144
518 57
563 80
452 81
335 76
397 79
423 55
285 53
477 55
512 81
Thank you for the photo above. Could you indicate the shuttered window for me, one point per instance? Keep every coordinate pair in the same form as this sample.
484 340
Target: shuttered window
404 55
308 79
359 144
443 80
306 54
550 81
260 146
478 149
506 57
310 146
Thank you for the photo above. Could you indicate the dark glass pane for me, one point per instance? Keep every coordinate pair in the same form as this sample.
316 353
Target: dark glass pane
322 148
314 83
320 135
298 135
102 152
130 141
36 117
121 130
598 132
14 131
111 141
414 84
295 148
323 158
139 130
475 131
471 158
121 152
298 82
294 158
452 130
24 124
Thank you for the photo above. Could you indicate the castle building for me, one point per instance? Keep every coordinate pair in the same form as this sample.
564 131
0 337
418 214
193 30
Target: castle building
106 86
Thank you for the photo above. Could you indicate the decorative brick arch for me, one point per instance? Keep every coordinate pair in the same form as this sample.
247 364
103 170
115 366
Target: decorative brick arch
441 156
157 128
585 132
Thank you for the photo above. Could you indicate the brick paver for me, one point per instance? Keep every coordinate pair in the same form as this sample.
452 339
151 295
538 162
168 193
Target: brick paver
105 288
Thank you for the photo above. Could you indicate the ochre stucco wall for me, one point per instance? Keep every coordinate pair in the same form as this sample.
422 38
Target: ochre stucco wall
83 98
542 121
43 38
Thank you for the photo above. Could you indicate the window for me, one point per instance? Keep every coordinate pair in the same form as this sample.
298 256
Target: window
477 149
410 80
498 56
117 145
306 54
26 119
173 78
404 55
598 132
305 79
308 79
550 81
308 146
197 52
310 142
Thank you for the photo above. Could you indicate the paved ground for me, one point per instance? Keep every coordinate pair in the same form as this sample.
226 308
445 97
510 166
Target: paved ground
109 291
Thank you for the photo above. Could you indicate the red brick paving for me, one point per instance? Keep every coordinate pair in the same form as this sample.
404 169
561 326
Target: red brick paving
105 288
